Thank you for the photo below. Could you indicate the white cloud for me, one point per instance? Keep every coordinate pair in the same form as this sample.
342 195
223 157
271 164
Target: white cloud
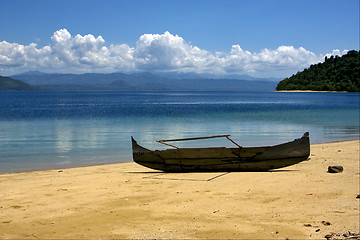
79 50
271 61
337 52
168 52
153 52
13 55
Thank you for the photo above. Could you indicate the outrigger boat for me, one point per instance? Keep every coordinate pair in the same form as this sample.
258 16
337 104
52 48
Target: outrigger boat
222 159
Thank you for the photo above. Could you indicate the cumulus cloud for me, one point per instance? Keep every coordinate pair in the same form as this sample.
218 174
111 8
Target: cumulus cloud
67 53
82 50
280 59
153 52
169 52
337 52
13 55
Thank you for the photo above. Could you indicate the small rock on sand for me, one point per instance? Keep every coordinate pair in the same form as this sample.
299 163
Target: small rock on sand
335 169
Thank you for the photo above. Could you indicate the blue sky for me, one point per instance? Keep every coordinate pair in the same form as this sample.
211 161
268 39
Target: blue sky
236 36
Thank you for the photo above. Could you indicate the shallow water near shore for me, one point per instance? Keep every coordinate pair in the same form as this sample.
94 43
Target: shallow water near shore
59 129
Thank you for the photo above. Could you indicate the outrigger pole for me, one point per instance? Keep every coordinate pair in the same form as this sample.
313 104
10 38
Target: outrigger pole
196 138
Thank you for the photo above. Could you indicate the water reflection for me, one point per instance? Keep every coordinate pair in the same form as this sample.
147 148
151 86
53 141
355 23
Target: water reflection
342 132
86 133
64 137
71 135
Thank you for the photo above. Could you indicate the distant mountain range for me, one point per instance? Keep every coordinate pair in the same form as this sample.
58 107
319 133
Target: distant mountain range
146 81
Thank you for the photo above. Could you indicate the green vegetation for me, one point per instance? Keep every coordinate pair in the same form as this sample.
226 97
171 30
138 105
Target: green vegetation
7 83
335 74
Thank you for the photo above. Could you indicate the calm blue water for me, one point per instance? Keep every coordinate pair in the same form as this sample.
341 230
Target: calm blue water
58 129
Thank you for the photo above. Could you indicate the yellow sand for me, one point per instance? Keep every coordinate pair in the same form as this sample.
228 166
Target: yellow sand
129 201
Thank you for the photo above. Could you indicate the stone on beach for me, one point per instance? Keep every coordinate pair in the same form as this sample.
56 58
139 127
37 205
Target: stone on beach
335 169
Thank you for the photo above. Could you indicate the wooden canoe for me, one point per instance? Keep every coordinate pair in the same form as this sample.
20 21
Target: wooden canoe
221 159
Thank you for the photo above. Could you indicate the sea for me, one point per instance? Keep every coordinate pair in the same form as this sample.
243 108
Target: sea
61 129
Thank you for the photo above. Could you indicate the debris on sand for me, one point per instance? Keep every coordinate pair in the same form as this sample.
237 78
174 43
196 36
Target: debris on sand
346 235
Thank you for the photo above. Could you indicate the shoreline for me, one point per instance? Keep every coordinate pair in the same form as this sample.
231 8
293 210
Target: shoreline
313 91
114 163
127 201
30 170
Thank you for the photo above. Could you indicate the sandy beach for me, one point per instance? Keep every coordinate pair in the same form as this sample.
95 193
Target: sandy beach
123 201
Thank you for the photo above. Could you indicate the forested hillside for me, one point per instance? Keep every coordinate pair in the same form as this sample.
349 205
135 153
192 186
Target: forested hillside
335 74
7 83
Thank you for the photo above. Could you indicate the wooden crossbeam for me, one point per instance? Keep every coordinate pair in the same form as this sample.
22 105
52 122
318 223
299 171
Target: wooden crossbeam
196 138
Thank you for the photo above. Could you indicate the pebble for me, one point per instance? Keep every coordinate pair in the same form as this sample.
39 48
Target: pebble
328 236
326 223
335 169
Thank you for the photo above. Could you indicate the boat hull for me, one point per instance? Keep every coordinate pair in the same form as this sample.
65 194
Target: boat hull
223 159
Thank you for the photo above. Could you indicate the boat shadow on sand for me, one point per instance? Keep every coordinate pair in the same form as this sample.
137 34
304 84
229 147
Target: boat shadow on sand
196 176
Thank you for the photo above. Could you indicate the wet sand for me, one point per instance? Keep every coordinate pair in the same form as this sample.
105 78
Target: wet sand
126 200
